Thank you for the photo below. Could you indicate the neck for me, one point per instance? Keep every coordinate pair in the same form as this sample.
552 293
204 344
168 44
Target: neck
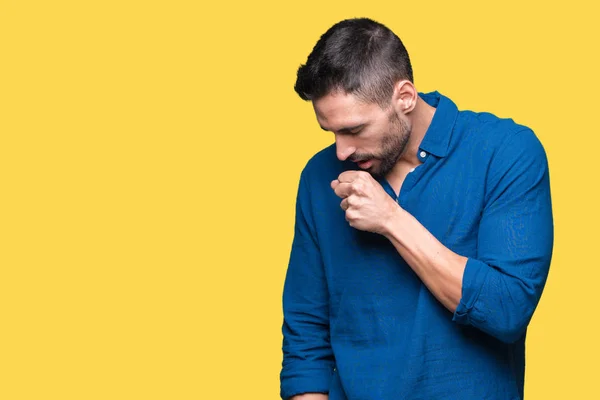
421 117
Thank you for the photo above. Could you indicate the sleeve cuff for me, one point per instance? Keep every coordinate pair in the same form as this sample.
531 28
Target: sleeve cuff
474 279
313 381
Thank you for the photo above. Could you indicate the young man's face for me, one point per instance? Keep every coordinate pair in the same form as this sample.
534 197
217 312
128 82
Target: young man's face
364 133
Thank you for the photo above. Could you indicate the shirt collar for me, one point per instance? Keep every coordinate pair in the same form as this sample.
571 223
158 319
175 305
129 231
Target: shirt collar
437 137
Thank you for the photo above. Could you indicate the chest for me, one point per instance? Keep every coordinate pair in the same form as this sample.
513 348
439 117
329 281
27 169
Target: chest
397 177
447 202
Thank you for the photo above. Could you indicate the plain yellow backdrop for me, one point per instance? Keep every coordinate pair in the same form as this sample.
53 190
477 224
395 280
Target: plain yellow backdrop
149 159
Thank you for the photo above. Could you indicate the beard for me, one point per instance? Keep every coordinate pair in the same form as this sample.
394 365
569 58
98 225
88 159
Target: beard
393 145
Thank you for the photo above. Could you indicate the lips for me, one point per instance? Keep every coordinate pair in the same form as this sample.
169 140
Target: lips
365 164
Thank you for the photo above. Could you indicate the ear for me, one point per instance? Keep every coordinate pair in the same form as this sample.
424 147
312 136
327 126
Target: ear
405 96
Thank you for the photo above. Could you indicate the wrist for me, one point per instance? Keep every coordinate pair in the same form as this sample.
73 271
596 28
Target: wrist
393 221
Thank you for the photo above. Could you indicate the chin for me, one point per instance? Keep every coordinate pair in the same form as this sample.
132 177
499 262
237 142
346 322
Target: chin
375 169
375 173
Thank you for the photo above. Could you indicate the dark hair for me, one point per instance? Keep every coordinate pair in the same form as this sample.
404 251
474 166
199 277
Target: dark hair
358 56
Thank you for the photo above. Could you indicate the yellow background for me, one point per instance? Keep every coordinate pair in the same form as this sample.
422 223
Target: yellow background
149 159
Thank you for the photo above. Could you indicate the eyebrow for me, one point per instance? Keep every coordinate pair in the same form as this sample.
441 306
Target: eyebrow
348 129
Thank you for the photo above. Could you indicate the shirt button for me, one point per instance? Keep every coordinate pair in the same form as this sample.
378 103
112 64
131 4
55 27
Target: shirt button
423 154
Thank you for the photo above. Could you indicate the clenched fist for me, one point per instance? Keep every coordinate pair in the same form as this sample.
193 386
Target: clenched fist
368 207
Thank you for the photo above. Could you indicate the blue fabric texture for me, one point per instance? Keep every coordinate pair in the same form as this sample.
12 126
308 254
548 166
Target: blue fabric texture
360 325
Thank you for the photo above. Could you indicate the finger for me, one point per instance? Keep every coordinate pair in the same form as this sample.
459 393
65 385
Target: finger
344 204
334 184
350 176
351 216
349 202
343 190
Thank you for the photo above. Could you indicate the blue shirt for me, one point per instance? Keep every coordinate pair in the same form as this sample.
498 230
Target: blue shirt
360 325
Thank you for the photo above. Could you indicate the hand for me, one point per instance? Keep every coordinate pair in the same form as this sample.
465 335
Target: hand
310 396
368 207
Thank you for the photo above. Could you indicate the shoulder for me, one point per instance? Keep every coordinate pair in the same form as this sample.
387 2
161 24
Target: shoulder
491 136
324 166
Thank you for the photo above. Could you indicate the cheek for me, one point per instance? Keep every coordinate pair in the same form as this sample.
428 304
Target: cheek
373 143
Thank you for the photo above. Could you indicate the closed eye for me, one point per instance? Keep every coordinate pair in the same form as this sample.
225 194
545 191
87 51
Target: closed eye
351 130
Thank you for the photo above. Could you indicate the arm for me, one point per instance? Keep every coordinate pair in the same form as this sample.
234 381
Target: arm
503 285
440 269
307 356
497 291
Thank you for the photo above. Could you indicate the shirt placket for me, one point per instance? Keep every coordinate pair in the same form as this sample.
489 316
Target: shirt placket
411 179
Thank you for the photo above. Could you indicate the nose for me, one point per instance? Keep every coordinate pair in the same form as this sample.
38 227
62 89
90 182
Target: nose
343 147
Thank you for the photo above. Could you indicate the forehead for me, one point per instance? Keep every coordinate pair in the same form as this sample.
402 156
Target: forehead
338 110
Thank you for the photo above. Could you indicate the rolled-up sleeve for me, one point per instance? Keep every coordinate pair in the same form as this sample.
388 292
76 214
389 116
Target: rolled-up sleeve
502 286
307 356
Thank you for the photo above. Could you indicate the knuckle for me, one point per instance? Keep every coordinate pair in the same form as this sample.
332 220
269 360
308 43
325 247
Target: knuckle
359 187
350 215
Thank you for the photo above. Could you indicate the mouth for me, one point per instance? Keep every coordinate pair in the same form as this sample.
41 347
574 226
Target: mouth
365 164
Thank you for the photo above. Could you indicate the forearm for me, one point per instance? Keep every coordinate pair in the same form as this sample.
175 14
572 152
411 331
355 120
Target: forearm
440 269
308 361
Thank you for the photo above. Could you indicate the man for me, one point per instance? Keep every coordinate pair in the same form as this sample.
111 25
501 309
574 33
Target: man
423 238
